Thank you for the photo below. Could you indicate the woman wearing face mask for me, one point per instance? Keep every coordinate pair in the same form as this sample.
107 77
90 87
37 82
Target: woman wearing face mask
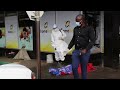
58 43
83 39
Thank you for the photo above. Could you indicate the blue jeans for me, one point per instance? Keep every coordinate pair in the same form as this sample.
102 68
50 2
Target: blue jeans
80 59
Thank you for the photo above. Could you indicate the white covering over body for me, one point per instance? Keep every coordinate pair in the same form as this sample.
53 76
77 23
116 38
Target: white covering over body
58 43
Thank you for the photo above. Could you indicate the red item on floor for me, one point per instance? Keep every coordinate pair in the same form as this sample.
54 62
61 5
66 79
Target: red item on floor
90 68
67 70
62 73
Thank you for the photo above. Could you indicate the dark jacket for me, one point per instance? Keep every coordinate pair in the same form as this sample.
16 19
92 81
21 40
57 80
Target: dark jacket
83 38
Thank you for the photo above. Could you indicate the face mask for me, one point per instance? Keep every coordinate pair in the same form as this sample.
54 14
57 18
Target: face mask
78 24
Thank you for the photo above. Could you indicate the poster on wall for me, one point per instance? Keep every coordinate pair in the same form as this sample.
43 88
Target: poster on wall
26 37
66 20
11 26
46 24
2 37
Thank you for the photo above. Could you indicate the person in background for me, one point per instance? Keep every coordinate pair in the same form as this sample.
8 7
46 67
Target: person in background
58 43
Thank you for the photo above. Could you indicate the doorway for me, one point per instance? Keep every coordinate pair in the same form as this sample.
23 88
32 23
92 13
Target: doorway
112 42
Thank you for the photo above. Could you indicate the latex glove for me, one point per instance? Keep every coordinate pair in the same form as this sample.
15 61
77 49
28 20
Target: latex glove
66 51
